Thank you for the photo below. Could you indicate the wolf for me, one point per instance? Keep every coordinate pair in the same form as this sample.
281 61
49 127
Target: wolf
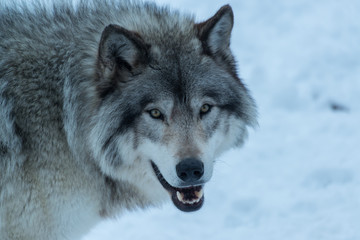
109 106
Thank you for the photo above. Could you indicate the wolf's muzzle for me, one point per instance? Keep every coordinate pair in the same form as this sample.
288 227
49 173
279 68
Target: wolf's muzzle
190 197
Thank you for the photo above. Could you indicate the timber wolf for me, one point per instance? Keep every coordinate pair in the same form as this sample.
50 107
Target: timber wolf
108 106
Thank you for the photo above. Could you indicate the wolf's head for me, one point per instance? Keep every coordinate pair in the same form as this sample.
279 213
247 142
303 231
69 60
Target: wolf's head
171 103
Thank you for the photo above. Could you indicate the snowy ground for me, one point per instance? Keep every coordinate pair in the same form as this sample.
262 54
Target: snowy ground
298 176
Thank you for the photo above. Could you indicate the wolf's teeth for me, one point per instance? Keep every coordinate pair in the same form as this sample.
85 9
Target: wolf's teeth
180 196
199 194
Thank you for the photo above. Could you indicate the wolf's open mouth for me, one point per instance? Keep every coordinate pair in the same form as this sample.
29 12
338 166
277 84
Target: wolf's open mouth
186 199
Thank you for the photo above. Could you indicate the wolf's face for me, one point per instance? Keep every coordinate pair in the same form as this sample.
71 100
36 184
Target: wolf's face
168 112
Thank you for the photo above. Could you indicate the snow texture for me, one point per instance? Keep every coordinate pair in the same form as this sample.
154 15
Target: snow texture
298 176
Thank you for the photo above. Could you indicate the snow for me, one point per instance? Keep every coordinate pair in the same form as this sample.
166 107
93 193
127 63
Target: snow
298 175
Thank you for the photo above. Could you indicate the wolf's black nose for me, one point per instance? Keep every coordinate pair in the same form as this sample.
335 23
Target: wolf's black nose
190 170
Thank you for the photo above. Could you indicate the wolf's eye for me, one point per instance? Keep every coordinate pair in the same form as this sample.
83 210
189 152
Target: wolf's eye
205 109
155 113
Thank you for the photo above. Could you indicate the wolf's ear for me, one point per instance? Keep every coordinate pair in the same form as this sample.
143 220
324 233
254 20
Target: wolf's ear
121 49
215 32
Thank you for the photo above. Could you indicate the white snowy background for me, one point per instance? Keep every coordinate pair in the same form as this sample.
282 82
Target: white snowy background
298 175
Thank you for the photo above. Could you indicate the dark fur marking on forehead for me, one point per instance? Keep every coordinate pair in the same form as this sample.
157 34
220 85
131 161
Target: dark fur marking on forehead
179 92
180 84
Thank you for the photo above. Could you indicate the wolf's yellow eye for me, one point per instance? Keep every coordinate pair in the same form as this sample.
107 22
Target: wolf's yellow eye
205 108
155 113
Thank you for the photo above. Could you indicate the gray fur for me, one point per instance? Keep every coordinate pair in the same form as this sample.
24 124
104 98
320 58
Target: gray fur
76 87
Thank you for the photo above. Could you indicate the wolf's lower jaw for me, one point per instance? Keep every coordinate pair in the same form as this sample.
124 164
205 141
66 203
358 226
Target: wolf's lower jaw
186 199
